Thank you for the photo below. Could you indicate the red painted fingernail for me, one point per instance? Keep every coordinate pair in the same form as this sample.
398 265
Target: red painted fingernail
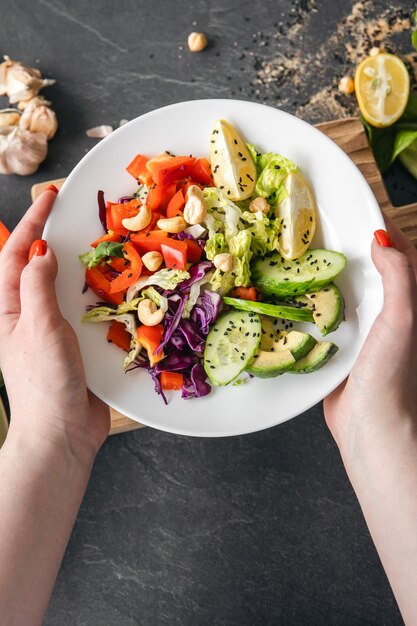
52 188
383 239
38 248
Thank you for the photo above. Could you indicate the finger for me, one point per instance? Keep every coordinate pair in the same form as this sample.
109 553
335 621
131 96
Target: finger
401 242
37 289
398 279
14 255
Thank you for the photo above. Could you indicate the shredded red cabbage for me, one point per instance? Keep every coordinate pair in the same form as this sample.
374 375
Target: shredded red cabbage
197 272
206 310
124 199
172 319
195 384
191 333
102 209
176 361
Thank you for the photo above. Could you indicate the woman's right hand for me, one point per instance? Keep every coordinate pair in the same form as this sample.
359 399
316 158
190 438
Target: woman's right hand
381 389
373 418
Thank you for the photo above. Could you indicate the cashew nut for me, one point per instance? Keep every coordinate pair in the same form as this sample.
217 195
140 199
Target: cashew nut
172 224
152 260
139 221
259 204
195 209
149 314
223 261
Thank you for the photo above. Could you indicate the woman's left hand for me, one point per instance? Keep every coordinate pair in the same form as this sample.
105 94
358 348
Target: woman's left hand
39 352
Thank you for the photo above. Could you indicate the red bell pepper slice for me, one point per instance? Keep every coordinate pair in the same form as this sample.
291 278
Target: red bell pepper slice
175 205
245 293
131 273
175 254
118 335
187 184
101 286
121 211
194 251
150 241
117 263
108 237
201 172
137 168
4 234
150 337
171 169
171 381
159 196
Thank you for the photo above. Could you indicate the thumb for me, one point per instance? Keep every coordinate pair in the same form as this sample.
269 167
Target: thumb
37 284
398 279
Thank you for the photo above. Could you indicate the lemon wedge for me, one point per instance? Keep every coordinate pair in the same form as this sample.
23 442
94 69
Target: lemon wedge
298 213
232 165
382 86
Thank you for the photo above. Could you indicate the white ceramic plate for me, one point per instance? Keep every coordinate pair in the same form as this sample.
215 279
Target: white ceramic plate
348 216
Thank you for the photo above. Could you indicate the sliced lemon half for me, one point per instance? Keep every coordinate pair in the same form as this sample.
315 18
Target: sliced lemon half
298 214
232 165
382 86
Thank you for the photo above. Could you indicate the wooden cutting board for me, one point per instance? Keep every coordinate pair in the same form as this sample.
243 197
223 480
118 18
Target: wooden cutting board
351 137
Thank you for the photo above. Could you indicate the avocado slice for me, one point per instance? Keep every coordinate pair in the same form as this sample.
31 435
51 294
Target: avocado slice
270 364
277 336
327 306
315 359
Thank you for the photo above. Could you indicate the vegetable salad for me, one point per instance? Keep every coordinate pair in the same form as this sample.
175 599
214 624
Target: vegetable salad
204 271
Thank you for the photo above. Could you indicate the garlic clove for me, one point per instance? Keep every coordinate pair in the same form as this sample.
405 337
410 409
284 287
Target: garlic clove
99 132
20 82
3 78
21 151
39 100
9 117
39 118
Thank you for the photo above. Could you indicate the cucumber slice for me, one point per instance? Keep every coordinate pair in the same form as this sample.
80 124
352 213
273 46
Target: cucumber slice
315 359
273 310
327 306
277 276
270 364
275 340
231 344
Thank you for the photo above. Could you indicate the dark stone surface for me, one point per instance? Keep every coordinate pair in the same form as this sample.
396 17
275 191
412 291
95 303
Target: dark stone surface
261 529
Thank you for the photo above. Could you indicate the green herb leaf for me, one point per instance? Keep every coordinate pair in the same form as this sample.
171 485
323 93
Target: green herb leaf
382 143
403 139
104 249
410 113
414 33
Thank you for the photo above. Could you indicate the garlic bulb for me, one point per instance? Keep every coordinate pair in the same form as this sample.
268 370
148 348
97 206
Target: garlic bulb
39 118
19 82
21 151
9 117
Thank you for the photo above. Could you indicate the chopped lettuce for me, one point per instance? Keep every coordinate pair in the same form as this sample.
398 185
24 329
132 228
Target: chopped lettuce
166 279
222 214
215 245
152 294
239 232
101 252
240 248
222 282
264 232
107 314
194 294
272 169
